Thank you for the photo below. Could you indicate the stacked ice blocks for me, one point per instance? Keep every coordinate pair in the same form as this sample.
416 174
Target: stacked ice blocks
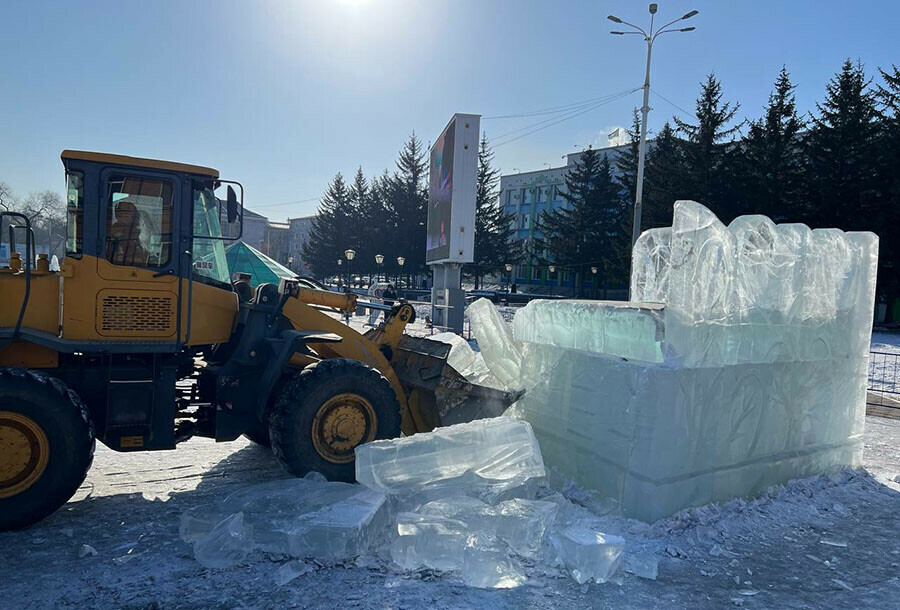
750 371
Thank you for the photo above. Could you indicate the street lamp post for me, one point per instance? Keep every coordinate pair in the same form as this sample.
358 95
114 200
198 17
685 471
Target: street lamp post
379 259
340 262
649 38
594 274
400 261
349 254
508 272
552 270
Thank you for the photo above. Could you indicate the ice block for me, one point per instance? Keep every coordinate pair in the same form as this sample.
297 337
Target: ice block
489 453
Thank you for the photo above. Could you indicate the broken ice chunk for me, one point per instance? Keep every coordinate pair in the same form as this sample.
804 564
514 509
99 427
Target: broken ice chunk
466 361
291 570
329 521
498 452
226 545
643 565
521 524
487 565
502 354
429 541
586 553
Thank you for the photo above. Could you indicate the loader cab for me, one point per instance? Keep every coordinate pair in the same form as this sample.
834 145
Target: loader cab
145 251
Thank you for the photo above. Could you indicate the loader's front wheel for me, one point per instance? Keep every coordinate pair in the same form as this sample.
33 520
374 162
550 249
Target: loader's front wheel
46 446
328 409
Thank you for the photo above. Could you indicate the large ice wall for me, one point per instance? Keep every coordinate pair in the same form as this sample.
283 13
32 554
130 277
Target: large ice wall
749 371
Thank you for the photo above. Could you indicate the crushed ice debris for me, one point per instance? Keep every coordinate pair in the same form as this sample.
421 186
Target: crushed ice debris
830 542
642 565
291 570
841 584
86 550
748 592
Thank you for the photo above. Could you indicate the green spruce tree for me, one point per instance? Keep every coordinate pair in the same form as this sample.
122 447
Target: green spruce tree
843 154
408 205
326 243
708 158
664 178
888 179
493 233
590 229
772 160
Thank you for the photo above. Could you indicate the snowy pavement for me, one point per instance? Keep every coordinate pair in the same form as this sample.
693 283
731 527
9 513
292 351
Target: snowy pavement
821 542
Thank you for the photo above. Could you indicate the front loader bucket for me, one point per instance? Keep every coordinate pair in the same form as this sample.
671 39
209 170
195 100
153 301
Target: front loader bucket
439 395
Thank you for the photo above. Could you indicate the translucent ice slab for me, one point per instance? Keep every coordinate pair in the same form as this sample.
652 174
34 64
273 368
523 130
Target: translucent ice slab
293 517
617 328
466 361
502 354
486 453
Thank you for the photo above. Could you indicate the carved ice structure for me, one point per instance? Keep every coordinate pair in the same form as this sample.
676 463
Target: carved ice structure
740 364
328 521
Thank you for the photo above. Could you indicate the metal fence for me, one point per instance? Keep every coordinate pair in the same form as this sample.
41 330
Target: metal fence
884 380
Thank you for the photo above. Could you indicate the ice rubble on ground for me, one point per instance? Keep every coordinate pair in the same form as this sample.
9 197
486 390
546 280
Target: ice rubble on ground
328 521
750 370
456 500
449 483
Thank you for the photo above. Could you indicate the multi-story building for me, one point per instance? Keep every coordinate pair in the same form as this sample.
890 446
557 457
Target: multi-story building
526 196
298 235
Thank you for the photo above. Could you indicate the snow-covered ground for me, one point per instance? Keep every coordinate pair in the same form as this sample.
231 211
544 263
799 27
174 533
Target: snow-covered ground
822 542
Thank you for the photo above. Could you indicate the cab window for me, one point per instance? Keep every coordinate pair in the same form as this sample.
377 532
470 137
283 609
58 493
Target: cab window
139 218
74 214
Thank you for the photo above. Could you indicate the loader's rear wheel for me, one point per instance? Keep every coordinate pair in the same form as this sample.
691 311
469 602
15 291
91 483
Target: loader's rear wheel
328 409
46 446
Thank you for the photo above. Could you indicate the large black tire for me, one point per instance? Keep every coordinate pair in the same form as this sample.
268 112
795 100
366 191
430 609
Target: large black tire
259 433
328 409
46 446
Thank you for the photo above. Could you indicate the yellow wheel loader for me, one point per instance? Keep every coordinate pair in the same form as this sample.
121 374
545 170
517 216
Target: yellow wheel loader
142 340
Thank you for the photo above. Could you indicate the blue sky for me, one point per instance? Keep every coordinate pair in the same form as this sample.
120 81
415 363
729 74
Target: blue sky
282 95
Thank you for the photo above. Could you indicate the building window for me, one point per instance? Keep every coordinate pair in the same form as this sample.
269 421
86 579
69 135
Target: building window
528 198
139 215
74 214
526 220
558 191
544 194
535 272
512 197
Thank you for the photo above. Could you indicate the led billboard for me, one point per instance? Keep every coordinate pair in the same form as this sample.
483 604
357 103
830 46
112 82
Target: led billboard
450 234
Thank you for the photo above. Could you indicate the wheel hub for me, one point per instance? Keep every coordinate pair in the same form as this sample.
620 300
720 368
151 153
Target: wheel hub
341 423
24 453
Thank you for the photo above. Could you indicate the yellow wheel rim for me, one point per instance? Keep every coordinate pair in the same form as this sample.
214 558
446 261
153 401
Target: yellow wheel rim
24 453
341 423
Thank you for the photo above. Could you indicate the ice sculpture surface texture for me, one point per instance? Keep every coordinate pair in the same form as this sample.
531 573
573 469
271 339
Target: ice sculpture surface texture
749 371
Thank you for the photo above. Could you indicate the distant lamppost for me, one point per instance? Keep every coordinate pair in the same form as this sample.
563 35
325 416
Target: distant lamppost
649 38
508 272
552 270
400 261
291 263
379 259
594 273
349 254
340 262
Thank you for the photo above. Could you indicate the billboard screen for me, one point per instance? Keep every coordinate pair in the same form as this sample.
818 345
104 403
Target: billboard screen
440 194
451 192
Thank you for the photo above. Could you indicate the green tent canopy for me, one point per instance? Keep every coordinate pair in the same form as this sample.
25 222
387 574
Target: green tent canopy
262 269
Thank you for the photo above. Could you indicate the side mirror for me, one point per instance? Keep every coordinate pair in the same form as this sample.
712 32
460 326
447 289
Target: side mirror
231 205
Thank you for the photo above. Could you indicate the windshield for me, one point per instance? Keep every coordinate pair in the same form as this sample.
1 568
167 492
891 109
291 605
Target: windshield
209 254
